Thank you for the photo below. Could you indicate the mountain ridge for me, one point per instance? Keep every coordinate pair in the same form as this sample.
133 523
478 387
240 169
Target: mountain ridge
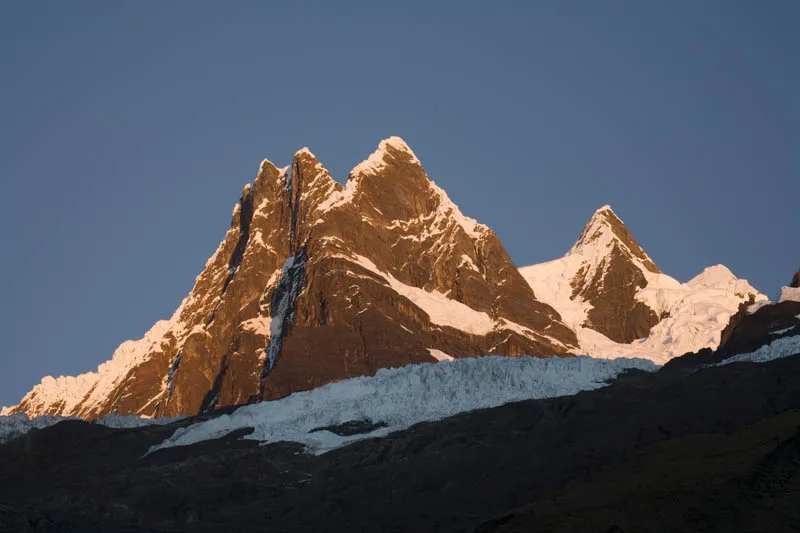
317 281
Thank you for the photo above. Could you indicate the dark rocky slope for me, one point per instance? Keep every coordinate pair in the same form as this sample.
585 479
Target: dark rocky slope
747 479
457 474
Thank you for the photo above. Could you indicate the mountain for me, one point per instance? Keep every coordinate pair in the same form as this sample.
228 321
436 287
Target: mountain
617 300
315 282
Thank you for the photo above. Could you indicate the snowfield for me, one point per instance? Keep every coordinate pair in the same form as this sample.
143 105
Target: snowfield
402 397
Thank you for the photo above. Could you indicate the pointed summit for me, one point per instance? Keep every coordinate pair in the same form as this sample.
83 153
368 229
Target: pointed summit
596 282
309 176
605 231
393 149
304 151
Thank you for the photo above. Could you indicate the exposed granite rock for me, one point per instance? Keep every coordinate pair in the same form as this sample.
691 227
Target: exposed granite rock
316 282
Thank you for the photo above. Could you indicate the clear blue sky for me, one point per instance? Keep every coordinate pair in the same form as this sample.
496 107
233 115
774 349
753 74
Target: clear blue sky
129 128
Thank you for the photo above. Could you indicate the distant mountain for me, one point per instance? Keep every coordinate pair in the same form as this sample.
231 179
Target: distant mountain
315 282
619 303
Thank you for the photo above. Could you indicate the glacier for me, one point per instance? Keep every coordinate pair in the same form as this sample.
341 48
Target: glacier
399 397
402 397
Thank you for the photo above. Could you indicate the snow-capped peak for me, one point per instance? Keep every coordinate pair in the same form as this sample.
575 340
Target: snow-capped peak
607 274
598 227
714 276
397 143
604 231
266 163
378 159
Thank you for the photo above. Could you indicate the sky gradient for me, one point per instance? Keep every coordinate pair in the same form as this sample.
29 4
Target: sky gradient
128 130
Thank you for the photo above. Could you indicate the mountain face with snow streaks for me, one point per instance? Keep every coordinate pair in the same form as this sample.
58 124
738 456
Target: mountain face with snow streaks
314 282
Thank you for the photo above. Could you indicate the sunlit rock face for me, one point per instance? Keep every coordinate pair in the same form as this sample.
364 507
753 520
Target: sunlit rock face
316 282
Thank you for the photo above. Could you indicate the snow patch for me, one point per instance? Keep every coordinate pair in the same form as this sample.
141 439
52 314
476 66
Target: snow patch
752 308
282 305
440 355
402 397
777 349
260 325
789 294
440 309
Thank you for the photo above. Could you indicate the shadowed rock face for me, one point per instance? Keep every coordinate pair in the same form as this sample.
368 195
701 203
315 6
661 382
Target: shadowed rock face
611 286
795 280
316 282
747 331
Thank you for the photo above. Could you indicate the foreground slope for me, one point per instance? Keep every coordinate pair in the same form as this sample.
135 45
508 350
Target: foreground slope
316 282
684 437
620 304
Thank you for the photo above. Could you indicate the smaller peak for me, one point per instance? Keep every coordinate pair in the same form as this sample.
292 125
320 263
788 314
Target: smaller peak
266 163
713 276
604 231
306 158
795 283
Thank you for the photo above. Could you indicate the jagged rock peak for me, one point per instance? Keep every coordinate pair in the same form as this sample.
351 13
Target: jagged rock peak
306 158
393 148
795 280
305 152
605 230
266 164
